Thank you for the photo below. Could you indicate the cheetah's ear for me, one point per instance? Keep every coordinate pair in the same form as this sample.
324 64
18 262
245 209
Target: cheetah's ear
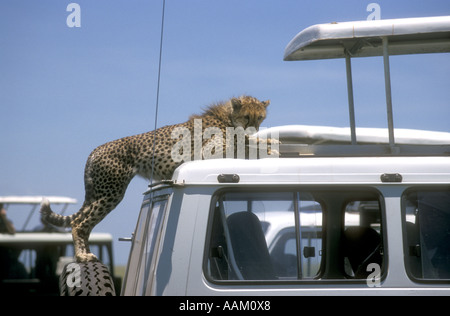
266 103
236 104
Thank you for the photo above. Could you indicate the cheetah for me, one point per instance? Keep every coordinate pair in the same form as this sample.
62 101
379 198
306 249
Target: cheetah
111 166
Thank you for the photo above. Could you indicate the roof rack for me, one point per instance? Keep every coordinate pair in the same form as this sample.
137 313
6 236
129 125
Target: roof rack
328 141
371 38
298 150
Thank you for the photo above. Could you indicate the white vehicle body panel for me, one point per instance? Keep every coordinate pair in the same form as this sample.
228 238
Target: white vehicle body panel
178 267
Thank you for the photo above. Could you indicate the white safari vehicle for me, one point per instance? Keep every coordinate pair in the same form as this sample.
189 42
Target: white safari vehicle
32 258
342 211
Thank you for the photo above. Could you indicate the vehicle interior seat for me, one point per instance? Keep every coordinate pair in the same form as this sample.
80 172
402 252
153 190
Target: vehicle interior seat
249 246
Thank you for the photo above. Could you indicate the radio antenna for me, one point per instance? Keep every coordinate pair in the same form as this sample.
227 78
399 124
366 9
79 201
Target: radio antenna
157 88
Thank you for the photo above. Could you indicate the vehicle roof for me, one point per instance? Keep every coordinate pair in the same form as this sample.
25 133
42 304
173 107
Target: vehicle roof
323 170
308 134
363 38
36 199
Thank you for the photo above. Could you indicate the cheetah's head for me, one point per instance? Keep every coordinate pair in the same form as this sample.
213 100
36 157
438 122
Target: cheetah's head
248 112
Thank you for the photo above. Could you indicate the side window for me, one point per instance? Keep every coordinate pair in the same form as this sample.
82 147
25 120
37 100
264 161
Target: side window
257 236
427 225
145 240
295 235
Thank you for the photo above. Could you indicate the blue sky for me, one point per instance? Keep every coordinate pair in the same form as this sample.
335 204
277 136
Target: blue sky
65 91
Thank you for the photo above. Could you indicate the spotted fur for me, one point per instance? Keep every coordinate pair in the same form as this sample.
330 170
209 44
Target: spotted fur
110 167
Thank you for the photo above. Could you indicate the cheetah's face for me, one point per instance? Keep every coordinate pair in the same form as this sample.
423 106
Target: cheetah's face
248 112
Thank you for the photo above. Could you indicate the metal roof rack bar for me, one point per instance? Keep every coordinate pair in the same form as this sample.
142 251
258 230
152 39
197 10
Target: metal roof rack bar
387 84
351 103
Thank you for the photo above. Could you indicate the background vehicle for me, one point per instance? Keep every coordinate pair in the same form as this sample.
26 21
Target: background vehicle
32 259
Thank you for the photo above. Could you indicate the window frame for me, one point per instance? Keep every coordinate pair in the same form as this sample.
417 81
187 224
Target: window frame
296 189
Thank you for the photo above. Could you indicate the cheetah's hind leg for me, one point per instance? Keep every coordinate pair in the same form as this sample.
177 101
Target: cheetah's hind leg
77 222
89 216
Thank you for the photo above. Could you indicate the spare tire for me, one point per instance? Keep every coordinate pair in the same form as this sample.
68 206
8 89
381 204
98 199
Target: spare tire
86 279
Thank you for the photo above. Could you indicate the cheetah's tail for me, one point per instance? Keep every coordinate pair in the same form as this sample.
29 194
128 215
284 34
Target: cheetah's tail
48 216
